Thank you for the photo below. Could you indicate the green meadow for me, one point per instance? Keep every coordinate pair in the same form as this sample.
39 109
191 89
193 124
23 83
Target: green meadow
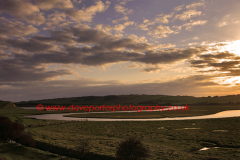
165 139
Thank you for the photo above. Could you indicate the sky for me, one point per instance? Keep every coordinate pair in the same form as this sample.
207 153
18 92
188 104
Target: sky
72 48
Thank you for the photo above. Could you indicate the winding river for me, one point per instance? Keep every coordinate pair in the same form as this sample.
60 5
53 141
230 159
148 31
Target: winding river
223 114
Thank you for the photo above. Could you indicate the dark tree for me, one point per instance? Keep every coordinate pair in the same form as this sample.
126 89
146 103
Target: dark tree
131 149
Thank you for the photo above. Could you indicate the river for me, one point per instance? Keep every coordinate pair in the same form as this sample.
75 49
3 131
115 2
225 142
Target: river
223 114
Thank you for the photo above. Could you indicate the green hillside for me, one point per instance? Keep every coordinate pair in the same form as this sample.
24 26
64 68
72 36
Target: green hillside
6 104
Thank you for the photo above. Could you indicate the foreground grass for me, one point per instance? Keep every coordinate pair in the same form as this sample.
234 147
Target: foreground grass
16 152
166 139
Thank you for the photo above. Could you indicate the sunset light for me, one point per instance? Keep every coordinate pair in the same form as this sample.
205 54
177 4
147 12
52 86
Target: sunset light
103 47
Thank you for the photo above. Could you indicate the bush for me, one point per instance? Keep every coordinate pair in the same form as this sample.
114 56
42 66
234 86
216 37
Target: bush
131 149
9 129
14 131
26 139
5 126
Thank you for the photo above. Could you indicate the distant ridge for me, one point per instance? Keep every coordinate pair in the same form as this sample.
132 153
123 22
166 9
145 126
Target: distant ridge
134 99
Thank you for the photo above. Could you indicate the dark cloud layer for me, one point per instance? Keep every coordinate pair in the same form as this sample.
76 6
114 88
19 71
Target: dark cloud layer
12 72
217 56
229 63
96 48
30 46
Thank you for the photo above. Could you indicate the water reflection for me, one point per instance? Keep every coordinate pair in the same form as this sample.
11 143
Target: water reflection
206 148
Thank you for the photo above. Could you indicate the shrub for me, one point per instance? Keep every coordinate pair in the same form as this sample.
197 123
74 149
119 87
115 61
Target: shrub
14 131
26 139
131 149
9 129
5 128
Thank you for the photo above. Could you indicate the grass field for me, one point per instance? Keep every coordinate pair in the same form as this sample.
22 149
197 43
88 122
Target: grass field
165 139
16 152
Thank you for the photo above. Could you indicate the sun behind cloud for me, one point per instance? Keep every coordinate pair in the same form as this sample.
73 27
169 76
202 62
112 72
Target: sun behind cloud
233 47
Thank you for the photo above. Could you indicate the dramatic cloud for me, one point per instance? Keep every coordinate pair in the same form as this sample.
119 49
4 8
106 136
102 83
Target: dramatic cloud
223 62
178 8
170 56
151 69
18 8
23 9
22 72
88 13
106 49
150 25
121 19
128 23
15 28
222 55
74 46
187 15
168 45
123 10
56 18
194 5
163 18
47 5
123 2
31 46
161 31
141 39
36 18
194 23
105 28
119 27
143 27
228 19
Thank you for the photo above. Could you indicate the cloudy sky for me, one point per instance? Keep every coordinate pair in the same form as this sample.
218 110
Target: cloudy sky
71 48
